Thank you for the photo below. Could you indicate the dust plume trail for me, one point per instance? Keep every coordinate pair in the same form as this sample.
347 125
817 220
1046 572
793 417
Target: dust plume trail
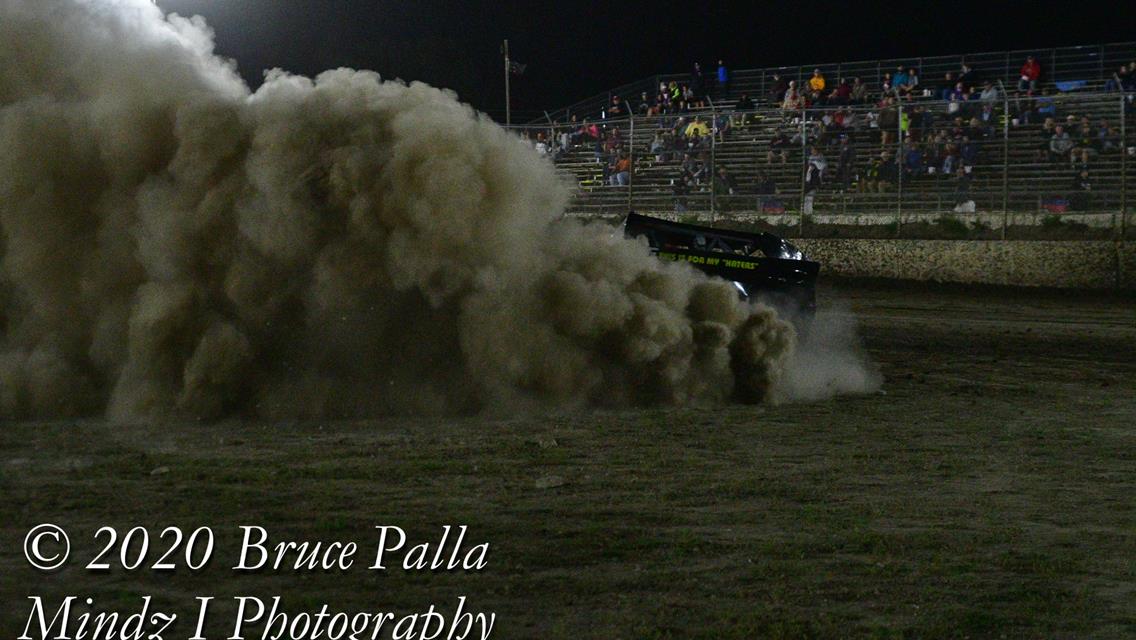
176 245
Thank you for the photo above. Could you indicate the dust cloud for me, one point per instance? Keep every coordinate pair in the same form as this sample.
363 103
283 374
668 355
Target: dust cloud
176 245
828 360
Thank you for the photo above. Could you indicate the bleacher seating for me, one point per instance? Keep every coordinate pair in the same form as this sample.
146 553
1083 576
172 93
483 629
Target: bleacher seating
1008 173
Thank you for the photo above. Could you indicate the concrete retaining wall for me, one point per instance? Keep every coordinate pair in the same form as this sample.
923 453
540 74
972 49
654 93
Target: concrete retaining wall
1072 264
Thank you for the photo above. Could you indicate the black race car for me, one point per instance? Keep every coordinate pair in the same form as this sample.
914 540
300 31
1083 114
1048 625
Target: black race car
761 265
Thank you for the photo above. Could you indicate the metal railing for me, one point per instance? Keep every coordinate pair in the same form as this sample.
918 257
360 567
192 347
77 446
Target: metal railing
988 168
1092 64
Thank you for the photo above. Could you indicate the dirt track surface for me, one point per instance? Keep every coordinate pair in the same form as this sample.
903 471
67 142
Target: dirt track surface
988 491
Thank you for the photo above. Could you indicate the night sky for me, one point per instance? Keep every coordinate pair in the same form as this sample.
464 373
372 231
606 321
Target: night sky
575 50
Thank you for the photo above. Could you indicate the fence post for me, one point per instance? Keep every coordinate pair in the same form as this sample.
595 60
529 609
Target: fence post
1005 159
634 165
759 204
713 164
898 165
804 172
1123 171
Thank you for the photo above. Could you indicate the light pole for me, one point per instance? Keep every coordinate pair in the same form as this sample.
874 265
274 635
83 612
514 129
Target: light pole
508 70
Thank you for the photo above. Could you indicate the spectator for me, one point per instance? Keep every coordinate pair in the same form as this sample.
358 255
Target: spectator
621 173
765 184
694 169
1118 81
1030 72
723 183
615 110
967 76
678 129
644 108
889 121
690 96
540 144
922 121
780 86
870 182
1060 145
912 81
842 94
598 150
859 92
1084 145
720 125
1082 189
950 157
816 157
697 129
963 201
990 93
913 161
779 146
659 146
817 83
723 78
1107 139
949 83
973 128
899 80
662 101
614 140
988 120
1044 137
697 81
956 98
846 163
681 188
744 103
886 172
794 101
968 153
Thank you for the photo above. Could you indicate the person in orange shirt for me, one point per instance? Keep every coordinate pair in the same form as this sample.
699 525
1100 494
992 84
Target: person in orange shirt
621 173
817 83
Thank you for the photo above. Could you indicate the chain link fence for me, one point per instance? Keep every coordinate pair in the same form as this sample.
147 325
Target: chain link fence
1003 165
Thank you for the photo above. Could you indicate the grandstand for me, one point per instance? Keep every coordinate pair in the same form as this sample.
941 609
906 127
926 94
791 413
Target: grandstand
891 159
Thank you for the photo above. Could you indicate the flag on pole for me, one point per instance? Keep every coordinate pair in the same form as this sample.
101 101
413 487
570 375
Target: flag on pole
517 68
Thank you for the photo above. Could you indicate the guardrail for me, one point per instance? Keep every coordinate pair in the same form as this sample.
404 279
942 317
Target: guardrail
982 168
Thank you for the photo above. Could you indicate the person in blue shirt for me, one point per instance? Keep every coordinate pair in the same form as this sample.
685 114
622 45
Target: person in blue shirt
1045 106
913 160
900 78
723 78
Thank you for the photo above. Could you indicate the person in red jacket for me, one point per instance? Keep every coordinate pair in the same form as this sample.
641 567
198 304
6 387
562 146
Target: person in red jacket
1031 71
